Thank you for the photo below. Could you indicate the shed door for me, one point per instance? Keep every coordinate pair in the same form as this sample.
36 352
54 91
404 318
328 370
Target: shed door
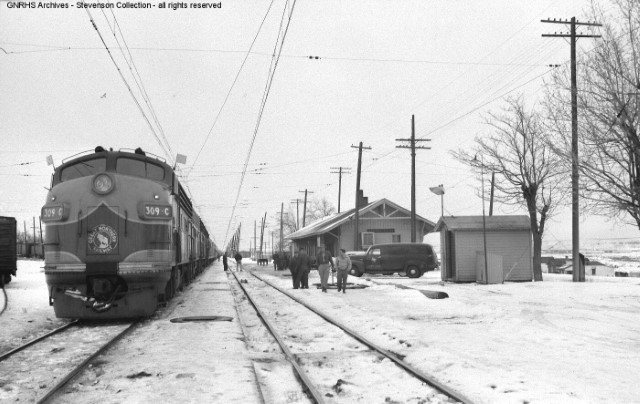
450 264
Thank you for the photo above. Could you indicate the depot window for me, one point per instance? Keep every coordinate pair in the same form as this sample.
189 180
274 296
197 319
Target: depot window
83 169
140 168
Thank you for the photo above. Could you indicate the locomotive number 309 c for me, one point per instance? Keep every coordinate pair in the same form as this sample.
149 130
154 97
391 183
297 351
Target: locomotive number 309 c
157 211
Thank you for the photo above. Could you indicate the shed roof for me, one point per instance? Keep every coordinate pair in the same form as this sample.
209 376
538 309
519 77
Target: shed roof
456 223
331 222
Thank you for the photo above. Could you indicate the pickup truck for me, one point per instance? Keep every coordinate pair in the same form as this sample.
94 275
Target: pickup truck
412 259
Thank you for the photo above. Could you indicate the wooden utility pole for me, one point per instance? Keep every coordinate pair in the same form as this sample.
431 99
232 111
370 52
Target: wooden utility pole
356 236
255 239
304 209
41 242
297 201
264 221
281 230
413 148
34 230
493 184
340 172
578 271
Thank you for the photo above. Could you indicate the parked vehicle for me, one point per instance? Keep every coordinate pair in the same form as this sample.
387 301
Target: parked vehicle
413 259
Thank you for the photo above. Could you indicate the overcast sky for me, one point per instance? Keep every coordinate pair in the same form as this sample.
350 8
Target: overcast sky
447 62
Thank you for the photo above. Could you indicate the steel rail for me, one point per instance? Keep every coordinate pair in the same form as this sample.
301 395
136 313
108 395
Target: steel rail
291 357
33 341
425 377
84 363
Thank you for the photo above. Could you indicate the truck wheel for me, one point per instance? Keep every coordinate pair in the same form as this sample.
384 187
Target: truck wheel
354 271
7 279
413 271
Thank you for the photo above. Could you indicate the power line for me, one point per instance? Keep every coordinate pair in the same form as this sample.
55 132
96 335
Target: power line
144 115
272 71
138 79
226 98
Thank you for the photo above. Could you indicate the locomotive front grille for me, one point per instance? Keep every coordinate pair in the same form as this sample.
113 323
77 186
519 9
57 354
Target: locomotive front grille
102 268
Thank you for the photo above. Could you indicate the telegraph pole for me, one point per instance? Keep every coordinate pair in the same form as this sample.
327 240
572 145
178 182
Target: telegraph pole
304 209
578 272
255 250
281 230
340 180
264 220
297 201
356 243
413 148
493 185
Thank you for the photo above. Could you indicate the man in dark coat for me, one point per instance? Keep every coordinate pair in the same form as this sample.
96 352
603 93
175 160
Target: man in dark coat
224 262
294 270
303 266
238 258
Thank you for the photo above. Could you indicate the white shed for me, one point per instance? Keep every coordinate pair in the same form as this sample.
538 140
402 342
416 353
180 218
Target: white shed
509 248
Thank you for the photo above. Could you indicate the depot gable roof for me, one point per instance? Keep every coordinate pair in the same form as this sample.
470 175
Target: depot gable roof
331 222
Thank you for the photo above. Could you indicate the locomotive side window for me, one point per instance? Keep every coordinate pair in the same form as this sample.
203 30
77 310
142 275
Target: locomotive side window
83 169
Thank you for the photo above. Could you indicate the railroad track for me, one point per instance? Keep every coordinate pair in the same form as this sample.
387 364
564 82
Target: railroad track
38 370
335 363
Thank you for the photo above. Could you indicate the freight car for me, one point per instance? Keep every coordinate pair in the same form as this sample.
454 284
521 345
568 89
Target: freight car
7 249
121 235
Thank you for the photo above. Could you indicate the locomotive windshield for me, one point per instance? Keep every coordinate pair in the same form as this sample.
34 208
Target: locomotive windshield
84 169
140 168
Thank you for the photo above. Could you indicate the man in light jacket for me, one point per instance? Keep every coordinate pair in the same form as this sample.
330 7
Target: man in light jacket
343 263
324 260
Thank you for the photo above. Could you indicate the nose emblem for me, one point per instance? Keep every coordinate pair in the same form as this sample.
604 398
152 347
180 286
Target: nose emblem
102 239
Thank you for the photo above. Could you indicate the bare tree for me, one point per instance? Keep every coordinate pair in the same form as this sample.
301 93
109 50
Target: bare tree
525 167
319 209
609 114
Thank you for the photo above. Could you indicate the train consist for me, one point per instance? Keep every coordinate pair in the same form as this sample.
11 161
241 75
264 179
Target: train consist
7 249
121 235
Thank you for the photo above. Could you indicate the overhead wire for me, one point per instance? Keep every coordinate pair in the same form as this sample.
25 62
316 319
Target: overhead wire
135 73
226 98
126 83
272 71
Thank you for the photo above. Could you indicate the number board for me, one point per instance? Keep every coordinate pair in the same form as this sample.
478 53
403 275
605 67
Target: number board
52 213
157 211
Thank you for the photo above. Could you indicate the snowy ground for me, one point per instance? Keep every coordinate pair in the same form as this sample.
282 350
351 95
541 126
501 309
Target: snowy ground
548 342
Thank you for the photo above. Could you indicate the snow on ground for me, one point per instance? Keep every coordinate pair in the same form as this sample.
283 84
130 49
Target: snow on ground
548 342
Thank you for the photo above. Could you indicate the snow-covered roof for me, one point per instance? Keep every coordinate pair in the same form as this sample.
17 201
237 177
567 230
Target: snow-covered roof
515 222
331 222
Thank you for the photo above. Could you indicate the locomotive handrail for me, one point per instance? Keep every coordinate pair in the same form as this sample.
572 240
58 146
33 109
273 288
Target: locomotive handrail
87 152
146 153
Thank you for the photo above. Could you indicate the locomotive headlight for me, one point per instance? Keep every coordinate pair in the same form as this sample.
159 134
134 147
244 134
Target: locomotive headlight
102 184
156 197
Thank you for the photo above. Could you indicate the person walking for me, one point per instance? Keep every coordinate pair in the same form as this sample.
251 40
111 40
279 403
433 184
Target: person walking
303 266
343 264
238 258
294 270
325 261
224 262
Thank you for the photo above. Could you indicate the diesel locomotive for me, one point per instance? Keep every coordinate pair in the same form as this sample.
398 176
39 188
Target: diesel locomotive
121 235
